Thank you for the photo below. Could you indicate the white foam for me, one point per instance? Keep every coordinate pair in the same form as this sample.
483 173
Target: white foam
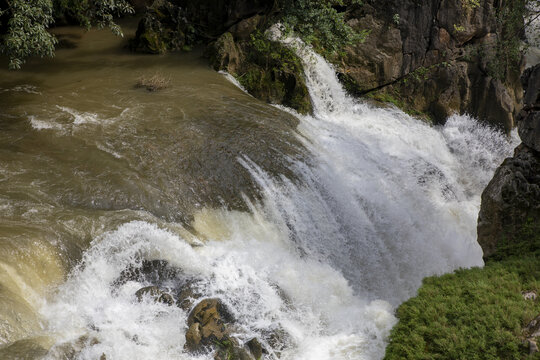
80 117
243 271
44 125
233 80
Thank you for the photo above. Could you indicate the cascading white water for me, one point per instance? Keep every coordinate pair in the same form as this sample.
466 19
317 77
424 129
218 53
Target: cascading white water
383 201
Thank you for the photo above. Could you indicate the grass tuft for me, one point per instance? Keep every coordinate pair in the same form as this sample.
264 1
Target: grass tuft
153 83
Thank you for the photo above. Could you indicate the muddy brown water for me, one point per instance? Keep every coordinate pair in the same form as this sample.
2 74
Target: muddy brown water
82 150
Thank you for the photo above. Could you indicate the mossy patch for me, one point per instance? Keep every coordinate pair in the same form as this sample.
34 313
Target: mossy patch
266 69
472 314
392 97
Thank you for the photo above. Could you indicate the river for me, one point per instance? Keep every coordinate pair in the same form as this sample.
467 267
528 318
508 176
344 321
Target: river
317 225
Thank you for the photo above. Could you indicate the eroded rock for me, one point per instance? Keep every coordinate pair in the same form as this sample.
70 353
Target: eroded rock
207 324
156 293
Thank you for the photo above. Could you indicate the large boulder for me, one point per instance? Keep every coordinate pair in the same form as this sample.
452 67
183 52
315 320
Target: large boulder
207 324
209 327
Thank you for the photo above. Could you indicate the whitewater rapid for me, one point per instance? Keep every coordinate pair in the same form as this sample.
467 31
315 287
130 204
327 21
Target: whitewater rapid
383 201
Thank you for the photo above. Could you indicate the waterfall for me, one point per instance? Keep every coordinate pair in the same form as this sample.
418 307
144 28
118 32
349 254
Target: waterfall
382 201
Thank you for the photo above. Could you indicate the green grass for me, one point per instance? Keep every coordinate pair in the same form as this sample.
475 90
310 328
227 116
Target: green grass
471 314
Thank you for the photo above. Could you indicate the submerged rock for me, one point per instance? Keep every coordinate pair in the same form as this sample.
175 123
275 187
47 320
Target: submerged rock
150 271
156 293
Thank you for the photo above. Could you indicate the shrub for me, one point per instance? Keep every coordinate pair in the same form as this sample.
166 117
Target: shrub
153 83
319 23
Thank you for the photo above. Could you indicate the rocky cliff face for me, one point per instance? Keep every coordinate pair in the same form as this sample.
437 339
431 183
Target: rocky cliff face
429 57
510 210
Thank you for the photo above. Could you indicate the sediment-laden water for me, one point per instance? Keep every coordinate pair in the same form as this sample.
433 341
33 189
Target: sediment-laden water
317 226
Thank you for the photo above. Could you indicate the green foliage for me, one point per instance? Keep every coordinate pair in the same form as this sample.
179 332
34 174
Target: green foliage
471 314
503 56
99 13
25 34
274 55
318 23
27 31
470 4
508 51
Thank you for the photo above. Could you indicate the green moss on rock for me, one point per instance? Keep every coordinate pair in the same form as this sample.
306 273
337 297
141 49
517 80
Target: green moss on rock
268 70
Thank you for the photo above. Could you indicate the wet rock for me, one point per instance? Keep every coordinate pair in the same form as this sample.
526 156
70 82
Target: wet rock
163 28
194 337
209 327
229 350
170 25
150 271
72 349
188 295
207 324
255 348
376 61
246 27
156 293
278 339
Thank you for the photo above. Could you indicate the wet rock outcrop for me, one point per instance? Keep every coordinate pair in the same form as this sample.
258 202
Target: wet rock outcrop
432 58
510 212
266 69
